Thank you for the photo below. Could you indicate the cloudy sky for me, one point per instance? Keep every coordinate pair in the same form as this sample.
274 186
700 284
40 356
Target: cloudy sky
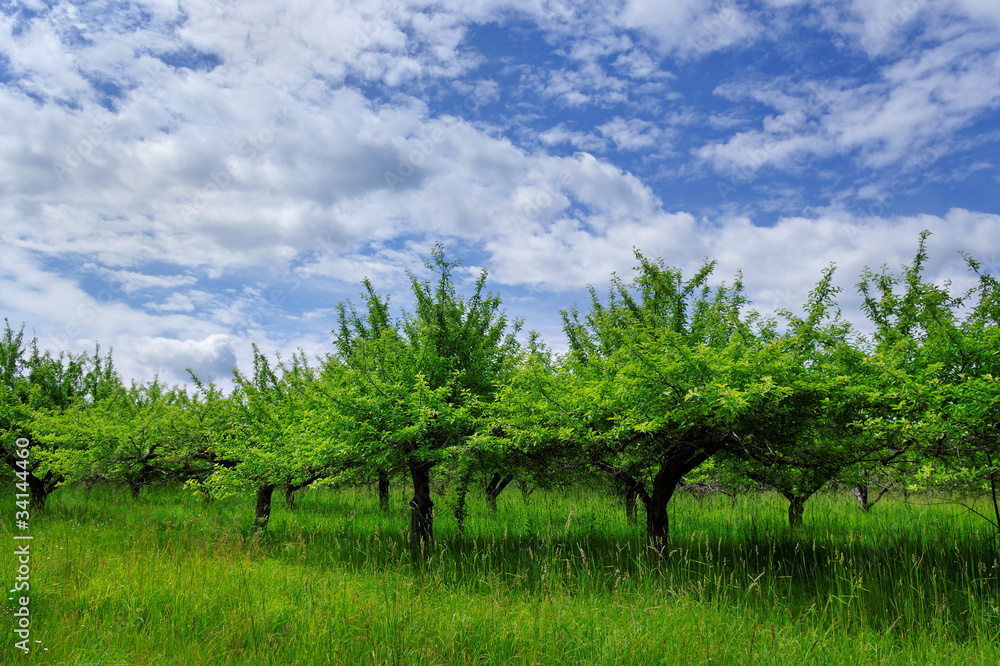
179 179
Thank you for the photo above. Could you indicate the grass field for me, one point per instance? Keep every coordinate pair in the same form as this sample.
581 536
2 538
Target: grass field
562 579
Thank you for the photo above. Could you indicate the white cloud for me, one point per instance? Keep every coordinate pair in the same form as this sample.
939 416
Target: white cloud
980 10
884 28
635 134
918 102
690 28
565 254
210 358
781 263
131 281
173 303
637 64
264 169
580 140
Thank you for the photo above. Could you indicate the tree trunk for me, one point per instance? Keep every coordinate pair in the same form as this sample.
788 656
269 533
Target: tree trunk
860 493
657 521
38 490
993 493
383 490
494 488
669 475
292 488
675 465
796 510
631 513
421 507
263 511
526 490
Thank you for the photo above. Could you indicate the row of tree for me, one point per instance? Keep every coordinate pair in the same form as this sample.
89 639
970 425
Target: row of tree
668 381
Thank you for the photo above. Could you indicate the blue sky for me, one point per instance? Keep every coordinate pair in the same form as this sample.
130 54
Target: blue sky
181 179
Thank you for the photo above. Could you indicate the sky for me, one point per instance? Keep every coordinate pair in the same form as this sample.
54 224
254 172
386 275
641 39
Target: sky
181 180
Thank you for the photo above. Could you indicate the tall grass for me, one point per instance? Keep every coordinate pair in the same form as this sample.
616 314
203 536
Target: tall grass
562 579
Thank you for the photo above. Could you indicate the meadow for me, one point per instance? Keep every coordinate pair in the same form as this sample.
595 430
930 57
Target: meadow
557 577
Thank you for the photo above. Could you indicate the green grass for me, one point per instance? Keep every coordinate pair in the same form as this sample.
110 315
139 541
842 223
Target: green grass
563 579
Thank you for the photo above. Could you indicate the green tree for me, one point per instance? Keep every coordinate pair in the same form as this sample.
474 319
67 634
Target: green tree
939 352
278 433
37 382
662 376
420 382
813 436
137 436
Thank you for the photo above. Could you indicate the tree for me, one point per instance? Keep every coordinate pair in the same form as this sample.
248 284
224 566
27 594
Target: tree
141 435
41 383
940 356
279 433
812 435
420 381
532 432
662 376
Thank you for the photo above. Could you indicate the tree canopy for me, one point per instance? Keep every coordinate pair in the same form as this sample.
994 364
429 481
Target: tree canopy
661 375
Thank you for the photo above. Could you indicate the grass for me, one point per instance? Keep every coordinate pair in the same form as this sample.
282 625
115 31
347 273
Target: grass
563 579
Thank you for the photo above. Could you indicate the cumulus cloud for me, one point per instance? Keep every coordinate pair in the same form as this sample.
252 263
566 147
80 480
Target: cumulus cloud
178 184
581 140
210 359
782 262
131 281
